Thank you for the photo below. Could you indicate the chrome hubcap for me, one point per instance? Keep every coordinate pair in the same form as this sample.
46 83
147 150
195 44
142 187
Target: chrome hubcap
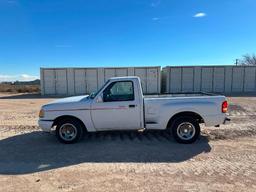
186 131
68 132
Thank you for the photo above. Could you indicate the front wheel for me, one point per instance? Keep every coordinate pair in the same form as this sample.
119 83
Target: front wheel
69 131
185 130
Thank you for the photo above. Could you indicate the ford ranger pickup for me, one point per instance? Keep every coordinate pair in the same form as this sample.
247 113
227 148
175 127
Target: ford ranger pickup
120 105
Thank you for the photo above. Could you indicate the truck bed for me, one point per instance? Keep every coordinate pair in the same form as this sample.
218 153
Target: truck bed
187 94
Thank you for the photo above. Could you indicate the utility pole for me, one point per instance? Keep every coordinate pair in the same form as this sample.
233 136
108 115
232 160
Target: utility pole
236 62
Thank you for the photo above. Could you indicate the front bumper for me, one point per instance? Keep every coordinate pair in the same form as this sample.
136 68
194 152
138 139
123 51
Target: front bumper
45 125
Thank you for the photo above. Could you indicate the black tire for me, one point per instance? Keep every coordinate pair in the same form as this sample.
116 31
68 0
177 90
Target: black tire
193 125
74 124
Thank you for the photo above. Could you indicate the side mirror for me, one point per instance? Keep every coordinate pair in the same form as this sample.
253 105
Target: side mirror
99 99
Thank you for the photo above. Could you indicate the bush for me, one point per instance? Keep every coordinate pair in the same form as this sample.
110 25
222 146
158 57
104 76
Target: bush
19 88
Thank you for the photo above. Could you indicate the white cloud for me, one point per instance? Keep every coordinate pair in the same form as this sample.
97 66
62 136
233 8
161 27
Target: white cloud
11 2
201 14
155 18
63 46
20 77
155 3
160 18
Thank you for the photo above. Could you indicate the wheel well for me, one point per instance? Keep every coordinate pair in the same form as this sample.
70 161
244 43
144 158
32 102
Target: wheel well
55 122
188 114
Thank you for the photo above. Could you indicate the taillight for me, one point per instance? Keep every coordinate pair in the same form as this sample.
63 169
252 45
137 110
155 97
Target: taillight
224 107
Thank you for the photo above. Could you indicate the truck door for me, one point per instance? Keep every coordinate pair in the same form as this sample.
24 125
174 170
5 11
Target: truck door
118 109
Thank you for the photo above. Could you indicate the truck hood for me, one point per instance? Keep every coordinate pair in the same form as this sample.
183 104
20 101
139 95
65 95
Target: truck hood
69 99
68 103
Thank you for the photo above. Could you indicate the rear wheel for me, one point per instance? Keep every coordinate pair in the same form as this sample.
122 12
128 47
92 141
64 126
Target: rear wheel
185 130
69 130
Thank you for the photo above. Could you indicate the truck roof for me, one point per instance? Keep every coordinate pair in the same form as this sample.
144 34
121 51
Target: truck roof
125 77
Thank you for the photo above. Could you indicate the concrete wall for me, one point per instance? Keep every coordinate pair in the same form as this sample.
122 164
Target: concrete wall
217 79
78 81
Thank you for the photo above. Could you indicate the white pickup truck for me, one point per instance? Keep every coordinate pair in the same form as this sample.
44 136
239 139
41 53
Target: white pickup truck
120 105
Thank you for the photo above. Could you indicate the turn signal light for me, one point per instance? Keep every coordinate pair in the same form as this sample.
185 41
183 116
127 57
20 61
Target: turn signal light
41 113
225 107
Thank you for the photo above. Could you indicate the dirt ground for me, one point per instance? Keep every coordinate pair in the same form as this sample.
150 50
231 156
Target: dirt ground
223 159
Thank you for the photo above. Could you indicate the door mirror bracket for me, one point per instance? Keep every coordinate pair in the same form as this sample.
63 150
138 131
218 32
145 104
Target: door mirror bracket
99 99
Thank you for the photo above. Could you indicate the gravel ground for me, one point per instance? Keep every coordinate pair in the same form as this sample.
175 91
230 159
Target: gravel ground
223 159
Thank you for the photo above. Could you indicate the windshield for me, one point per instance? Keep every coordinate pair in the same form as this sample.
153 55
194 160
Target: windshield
94 94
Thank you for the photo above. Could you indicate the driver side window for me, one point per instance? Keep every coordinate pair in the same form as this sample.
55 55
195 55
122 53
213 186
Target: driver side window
119 91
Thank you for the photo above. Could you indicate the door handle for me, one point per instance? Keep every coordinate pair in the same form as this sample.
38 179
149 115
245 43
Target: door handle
132 106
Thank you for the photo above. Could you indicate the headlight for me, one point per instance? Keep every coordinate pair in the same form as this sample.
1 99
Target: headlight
41 113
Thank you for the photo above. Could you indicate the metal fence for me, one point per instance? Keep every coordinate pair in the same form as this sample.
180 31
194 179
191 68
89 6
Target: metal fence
216 79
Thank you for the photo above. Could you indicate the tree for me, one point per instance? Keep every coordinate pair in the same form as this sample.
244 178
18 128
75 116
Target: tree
248 60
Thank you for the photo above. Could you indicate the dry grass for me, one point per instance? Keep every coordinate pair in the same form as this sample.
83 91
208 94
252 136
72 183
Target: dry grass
19 88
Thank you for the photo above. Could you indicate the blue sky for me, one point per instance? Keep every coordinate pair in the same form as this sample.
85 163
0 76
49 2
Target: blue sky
88 33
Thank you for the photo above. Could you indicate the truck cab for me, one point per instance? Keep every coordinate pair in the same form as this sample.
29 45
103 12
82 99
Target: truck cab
119 105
